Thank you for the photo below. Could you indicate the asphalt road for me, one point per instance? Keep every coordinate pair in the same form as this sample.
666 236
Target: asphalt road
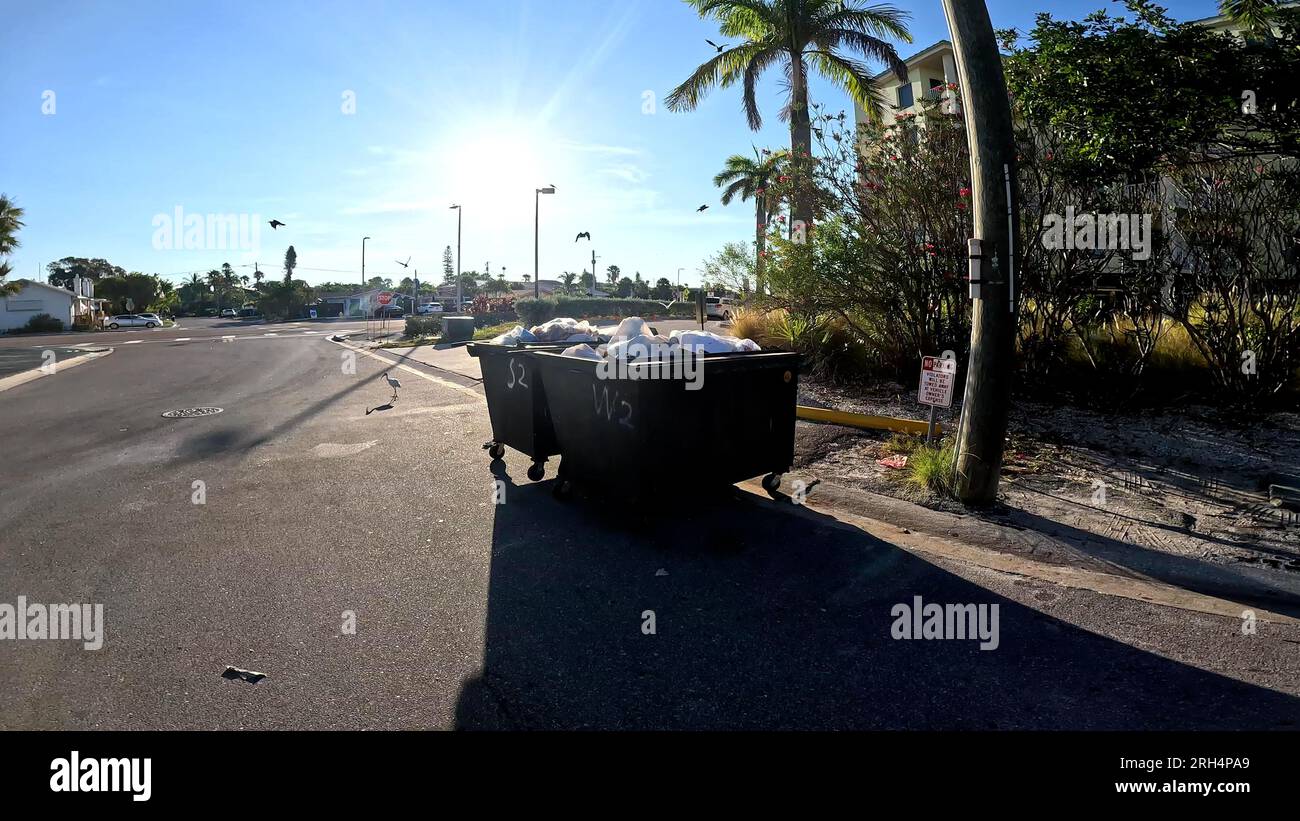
471 614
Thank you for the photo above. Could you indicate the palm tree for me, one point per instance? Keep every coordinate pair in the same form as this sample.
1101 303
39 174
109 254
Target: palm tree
1255 16
750 178
796 35
11 220
257 277
568 278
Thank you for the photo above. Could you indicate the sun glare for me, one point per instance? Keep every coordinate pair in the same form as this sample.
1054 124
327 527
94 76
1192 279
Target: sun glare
501 166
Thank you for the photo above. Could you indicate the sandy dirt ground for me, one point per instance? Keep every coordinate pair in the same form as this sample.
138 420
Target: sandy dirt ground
1192 483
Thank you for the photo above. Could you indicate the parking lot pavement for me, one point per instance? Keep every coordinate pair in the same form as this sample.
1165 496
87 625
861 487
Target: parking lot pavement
369 558
18 360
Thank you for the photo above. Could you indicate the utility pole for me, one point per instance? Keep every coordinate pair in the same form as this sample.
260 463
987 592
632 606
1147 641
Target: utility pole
459 214
593 271
982 433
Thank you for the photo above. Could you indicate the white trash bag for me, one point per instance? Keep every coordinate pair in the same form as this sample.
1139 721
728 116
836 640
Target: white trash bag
581 351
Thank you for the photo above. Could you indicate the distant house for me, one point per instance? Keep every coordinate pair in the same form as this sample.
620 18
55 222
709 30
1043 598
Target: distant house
37 298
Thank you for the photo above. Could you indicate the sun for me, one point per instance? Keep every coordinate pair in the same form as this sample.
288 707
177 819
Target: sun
501 166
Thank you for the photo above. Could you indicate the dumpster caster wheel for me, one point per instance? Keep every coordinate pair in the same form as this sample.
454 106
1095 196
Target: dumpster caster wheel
772 482
497 451
563 489
537 472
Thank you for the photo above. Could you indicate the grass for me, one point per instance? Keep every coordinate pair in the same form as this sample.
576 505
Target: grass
930 468
902 443
493 331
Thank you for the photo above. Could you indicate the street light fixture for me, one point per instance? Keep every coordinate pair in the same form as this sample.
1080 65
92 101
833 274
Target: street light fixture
537 209
459 214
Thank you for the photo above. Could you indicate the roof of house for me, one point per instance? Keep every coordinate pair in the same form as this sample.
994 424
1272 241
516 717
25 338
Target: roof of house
923 54
46 286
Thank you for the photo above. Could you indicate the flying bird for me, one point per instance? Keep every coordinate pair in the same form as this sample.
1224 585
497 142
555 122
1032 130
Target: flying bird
275 224
715 45
392 383
586 234
406 264
701 208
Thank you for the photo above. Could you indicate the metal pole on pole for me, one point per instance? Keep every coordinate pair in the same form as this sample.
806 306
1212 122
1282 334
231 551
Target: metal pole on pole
459 214
537 223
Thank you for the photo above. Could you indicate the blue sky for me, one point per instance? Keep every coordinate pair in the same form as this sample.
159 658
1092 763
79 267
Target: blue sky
237 107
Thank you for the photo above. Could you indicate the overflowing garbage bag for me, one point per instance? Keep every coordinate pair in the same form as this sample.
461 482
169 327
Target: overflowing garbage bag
582 351
709 342
635 341
515 336
565 329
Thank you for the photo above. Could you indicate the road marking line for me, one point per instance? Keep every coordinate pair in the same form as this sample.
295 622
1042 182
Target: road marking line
270 334
436 380
133 342
182 339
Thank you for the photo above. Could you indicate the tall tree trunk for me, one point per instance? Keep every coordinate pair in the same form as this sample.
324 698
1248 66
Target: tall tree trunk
800 145
760 241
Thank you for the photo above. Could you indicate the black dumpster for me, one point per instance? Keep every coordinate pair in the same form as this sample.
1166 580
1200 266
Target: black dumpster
639 436
517 402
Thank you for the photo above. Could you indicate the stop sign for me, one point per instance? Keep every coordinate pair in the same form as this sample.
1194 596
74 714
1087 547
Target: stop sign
384 298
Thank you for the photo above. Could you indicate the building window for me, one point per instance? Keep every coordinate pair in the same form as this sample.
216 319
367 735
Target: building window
936 88
905 99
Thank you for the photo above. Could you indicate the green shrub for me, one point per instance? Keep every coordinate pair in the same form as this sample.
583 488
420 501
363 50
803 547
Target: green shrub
417 326
43 323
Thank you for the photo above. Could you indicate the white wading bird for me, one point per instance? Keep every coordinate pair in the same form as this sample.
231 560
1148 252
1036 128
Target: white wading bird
394 384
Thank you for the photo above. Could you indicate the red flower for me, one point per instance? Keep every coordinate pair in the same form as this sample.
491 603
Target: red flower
963 192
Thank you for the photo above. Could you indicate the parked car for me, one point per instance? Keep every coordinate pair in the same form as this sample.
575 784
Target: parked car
130 321
249 313
429 308
152 317
719 307
390 311
229 313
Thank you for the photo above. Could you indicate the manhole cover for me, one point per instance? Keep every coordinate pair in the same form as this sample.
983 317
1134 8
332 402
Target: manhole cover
189 413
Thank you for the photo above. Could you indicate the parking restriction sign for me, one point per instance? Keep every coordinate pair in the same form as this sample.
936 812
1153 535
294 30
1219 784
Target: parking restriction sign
937 378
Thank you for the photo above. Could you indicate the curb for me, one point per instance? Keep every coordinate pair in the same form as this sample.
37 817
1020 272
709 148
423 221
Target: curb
14 380
929 546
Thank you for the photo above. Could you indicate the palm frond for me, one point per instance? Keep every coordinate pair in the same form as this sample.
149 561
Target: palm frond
851 76
722 70
749 99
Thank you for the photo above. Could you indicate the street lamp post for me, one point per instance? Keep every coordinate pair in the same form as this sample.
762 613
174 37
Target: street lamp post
537 210
363 261
459 214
